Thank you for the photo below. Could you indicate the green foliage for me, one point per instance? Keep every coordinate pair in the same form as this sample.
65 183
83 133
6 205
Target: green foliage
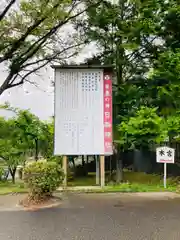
12 146
142 178
138 37
142 130
163 86
47 144
30 124
1 173
125 32
173 126
31 36
171 23
7 187
43 178
128 99
34 133
33 130
135 187
23 135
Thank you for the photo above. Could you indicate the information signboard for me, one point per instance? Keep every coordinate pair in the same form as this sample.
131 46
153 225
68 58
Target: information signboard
83 112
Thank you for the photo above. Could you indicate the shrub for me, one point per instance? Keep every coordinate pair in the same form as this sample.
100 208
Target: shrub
42 178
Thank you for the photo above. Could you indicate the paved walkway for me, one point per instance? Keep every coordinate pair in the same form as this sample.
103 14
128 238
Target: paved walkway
95 217
80 188
11 202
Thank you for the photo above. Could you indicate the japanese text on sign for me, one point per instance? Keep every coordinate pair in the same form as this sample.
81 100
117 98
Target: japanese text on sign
107 113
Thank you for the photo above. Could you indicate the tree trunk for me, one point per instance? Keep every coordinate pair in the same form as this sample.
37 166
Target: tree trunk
3 87
73 162
87 163
6 175
87 160
36 149
119 166
84 166
83 162
74 166
13 173
119 170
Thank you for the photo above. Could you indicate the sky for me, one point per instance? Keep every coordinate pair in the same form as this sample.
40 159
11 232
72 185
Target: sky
38 99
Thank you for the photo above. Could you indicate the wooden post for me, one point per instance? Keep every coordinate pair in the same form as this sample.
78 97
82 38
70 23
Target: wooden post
64 166
165 174
97 171
102 171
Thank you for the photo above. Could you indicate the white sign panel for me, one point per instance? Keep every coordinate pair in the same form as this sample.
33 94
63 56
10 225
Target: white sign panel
165 155
79 112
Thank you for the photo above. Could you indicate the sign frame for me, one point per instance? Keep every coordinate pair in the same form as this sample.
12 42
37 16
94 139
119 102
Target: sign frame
107 69
106 124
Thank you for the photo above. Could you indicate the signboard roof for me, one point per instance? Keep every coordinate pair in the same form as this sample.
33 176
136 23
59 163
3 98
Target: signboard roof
84 66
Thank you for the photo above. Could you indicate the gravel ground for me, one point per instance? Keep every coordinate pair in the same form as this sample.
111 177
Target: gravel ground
95 217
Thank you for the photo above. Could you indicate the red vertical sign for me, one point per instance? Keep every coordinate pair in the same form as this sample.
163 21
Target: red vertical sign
107 113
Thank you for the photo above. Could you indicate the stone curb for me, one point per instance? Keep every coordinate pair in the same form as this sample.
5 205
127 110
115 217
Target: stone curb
36 208
19 207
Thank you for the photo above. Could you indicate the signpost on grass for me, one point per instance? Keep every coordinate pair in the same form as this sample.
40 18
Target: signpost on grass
83 112
165 155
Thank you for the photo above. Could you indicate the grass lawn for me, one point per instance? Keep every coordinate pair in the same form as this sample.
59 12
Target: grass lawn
8 187
3 164
134 187
133 182
128 176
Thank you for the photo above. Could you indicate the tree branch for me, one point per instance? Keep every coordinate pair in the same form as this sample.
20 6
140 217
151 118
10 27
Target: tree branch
5 84
2 15
26 75
33 49
1 156
17 62
9 84
53 56
18 43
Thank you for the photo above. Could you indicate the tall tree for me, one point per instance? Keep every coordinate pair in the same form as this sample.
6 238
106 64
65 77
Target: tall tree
135 36
124 33
163 87
12 147
126 36
34 132
31 34
164 82
138 37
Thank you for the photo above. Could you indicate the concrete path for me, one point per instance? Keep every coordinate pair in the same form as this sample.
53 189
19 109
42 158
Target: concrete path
95 217
80 188
10 202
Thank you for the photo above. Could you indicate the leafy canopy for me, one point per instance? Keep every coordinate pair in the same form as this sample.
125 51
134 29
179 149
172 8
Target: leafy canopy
32 36
12 147
142 130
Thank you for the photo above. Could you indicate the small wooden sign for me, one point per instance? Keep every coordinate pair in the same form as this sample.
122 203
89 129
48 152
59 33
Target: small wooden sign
165 155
